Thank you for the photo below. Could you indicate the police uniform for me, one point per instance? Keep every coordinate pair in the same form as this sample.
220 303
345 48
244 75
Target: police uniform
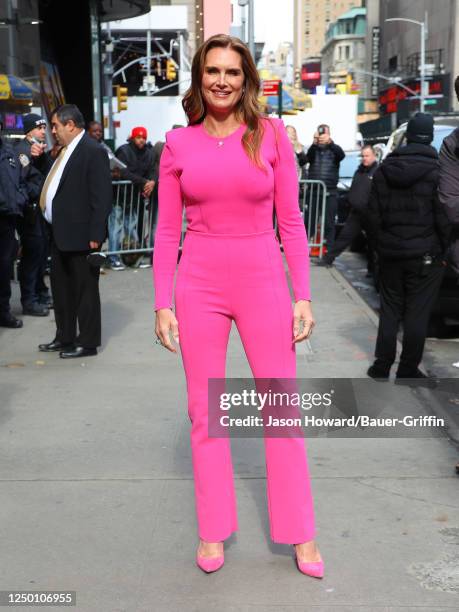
13 197
32 230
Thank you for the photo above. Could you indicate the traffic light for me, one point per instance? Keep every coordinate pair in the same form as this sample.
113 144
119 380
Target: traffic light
349 82
171 71
122 97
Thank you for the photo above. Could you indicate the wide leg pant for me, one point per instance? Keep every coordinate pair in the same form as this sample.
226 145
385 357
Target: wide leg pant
222 278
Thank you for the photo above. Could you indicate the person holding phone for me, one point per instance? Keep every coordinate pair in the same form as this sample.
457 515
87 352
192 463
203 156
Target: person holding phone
324 157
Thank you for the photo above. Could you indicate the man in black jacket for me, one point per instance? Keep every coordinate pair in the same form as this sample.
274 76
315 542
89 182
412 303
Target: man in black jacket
324 158
32 228
411 233
13 197
76 200
140 159
358 196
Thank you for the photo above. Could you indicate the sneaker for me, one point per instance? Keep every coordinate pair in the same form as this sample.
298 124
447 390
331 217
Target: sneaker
117 265
145 262
35 309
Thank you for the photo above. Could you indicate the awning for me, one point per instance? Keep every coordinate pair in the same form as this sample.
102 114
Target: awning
15 88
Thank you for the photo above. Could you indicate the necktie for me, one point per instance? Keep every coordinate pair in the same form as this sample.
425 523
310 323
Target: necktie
50 177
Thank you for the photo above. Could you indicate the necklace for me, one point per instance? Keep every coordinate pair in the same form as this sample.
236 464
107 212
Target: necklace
220 139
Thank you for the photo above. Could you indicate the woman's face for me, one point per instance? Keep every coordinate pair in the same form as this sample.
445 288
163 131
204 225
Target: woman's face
291 132
222 80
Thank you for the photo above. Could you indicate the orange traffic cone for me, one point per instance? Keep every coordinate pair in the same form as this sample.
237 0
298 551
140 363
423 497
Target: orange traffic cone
315 250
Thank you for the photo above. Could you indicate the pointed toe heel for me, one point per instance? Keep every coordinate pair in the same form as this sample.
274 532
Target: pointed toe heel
314 569
210 564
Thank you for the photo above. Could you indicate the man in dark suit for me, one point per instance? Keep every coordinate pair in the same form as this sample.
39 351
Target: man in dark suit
76 200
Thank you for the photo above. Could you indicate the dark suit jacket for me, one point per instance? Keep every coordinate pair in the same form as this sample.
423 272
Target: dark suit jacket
83 198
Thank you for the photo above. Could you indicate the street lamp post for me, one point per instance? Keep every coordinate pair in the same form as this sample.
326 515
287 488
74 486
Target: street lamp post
251 24
422 67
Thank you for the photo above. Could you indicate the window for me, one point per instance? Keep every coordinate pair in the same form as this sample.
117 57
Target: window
347 52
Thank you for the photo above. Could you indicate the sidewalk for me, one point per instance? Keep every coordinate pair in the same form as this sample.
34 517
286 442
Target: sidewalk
97 491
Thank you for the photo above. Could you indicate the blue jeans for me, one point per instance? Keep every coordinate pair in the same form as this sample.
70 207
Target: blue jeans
119 228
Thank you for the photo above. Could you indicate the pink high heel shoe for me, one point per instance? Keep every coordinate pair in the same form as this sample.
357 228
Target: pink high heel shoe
314 569
209 564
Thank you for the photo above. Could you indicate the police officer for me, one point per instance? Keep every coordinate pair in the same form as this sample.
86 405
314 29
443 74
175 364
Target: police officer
13 197
32 228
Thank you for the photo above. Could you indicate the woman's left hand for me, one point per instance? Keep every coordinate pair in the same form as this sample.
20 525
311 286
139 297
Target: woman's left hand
302 312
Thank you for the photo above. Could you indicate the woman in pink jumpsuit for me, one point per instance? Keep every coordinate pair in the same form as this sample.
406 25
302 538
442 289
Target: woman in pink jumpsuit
230 168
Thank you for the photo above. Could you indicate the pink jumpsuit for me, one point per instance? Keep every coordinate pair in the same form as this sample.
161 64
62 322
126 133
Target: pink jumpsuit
231 269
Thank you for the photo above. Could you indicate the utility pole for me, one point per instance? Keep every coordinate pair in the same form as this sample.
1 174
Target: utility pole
108 73
422 67
252 27
250 4
148 61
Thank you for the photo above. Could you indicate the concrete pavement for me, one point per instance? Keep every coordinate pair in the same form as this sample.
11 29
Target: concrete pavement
96 481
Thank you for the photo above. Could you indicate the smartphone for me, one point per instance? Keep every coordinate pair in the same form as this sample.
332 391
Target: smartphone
321 130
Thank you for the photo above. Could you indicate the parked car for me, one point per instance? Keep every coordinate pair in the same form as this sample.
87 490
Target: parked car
398 137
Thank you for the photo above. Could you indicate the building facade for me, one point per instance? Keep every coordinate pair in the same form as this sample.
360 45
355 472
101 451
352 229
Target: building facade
343 54
400 53
311 21
46 60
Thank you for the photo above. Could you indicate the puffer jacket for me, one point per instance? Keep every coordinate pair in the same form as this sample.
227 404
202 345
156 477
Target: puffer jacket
404 212
324 163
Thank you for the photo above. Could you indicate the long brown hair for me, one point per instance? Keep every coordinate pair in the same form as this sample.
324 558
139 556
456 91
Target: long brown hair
248 108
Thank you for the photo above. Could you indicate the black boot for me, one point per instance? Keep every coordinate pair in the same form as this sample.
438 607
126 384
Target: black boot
379 371
414 377
8 320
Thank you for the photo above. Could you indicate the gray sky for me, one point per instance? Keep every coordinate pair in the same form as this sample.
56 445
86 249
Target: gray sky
273 21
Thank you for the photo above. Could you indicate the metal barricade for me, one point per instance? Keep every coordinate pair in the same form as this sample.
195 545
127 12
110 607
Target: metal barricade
313 206
132 221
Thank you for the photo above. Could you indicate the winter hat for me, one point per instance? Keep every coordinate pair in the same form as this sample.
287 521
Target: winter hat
32 121
139 131
420 128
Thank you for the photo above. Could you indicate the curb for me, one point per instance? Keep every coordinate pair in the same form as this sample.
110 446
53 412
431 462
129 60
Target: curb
426 397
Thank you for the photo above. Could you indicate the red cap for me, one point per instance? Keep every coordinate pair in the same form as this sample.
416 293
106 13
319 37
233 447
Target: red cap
139 131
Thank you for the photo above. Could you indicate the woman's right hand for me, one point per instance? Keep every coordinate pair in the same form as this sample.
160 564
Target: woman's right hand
166 323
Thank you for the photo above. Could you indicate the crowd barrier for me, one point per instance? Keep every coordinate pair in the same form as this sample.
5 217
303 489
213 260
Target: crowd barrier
132 222
313 205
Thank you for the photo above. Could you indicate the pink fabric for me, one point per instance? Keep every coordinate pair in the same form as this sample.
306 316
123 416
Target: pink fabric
225 193
231 270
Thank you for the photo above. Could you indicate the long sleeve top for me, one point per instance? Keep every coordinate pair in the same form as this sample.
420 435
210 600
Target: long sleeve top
223 191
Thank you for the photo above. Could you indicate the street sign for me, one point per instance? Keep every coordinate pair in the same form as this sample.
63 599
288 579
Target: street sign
270 88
